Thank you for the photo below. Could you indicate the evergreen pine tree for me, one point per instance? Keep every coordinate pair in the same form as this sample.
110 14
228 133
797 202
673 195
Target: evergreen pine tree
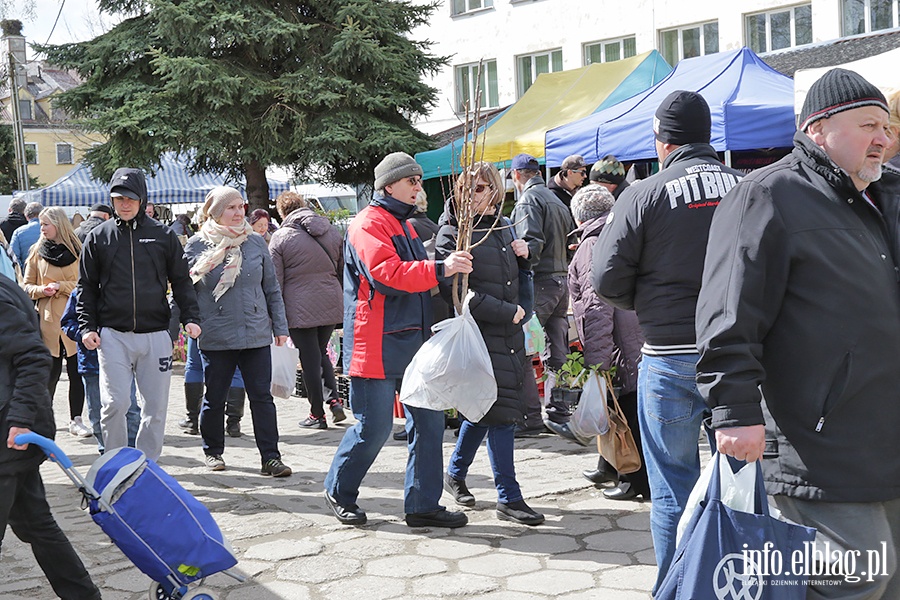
327 86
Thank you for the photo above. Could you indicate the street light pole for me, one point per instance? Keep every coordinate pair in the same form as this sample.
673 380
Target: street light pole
18 134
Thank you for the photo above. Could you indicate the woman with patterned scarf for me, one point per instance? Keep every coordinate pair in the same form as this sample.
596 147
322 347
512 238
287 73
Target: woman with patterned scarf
51 273
240 310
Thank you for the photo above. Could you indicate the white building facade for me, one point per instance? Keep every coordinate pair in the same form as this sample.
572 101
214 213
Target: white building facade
516 40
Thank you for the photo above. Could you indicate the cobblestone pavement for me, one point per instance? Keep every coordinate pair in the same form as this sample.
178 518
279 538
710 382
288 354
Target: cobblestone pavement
290 546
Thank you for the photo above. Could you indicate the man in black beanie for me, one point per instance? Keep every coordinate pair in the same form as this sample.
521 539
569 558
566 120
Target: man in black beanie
798 325
649 258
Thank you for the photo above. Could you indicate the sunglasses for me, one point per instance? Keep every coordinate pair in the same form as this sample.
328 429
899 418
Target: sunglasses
481 187
581 172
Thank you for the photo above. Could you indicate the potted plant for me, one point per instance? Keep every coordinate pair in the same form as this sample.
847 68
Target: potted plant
570 379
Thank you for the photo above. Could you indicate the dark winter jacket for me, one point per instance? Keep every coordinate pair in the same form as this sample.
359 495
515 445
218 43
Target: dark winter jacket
24 369
306 252
564 195
125 271
10 223
87 226
251 311
495 281
800 306
544 223
611 336
88 363
387 278
649 257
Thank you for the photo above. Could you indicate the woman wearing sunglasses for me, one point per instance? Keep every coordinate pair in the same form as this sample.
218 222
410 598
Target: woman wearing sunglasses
495 307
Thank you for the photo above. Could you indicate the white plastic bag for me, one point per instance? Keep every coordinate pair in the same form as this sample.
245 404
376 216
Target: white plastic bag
452 369
284 370
738 490
590 418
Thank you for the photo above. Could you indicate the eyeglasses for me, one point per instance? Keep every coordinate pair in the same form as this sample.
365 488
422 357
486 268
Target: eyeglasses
414 181
581 172
482 186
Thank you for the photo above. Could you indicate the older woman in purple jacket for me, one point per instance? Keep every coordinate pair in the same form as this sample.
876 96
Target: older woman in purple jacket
611 336
306 251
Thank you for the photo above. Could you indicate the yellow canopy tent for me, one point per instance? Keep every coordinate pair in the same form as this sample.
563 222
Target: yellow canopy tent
559 98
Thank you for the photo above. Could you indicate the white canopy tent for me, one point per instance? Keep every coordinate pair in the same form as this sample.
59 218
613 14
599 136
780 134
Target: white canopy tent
880 69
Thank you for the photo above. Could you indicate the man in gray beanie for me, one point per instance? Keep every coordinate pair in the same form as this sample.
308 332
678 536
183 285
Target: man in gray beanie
798 322
387 317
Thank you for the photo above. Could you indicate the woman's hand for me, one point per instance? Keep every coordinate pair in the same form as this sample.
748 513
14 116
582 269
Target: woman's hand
520 247
193 330
51 288
520 314
281 340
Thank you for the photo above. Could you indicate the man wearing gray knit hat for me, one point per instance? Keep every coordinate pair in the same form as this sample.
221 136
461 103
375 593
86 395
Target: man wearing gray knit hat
797 321
387 283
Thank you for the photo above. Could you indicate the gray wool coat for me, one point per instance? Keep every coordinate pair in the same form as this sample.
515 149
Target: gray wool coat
306 252
250 312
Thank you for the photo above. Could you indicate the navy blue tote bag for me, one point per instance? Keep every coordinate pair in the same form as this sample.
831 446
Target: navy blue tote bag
731 555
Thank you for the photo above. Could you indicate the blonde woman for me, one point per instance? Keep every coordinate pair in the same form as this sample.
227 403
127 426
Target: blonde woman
892 152
51 273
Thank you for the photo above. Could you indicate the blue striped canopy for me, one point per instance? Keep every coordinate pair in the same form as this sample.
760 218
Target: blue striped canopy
172 184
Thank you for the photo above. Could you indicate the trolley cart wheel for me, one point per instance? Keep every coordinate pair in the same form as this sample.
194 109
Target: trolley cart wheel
199 593
158 592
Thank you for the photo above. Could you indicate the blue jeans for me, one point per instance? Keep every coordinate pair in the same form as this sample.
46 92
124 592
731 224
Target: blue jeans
92 397
372 402
218 371
671 413
193 366
500 451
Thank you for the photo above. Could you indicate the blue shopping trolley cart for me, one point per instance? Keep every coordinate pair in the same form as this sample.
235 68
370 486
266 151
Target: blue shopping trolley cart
166 532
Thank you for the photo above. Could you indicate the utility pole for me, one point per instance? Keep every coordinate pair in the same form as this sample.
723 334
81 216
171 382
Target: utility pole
18 134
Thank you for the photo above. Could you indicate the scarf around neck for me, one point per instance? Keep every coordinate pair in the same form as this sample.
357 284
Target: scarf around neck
56 254
226 247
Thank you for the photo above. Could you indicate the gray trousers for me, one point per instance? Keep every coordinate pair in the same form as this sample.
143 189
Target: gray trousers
868 531
147 359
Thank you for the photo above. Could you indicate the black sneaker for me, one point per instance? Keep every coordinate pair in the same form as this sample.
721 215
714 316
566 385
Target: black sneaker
519 512
529 432
233 429
350 514
457 488
312 422
275 468
337 412
190 426
438 518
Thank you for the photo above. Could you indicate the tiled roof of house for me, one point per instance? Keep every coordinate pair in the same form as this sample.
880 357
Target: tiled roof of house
833 52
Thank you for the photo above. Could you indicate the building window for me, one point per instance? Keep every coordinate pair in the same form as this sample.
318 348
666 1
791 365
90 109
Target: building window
25 110
863 16
528 67
779 29
609 50
31 155
464 6
64 154
467 84
690 41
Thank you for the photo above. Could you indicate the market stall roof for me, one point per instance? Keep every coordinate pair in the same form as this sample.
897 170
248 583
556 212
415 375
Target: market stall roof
172 184
553 99
751 106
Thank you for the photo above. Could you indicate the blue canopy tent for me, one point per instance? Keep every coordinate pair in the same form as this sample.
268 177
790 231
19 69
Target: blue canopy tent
751 104
172 184
555 98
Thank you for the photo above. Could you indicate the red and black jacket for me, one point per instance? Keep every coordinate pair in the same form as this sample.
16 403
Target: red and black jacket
387 303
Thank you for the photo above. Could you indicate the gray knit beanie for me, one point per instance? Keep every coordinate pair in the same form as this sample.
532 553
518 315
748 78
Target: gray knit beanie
591 202
217 200
836 91
394 167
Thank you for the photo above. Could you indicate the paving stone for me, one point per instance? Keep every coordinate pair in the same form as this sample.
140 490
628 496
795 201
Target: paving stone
283 550
499 564
452 549
406 566
587 560
276 590
540 543
318 569
366 548
507 595
620 541
606 594
129 581
635 577
638 521
365 587
461 585
550 582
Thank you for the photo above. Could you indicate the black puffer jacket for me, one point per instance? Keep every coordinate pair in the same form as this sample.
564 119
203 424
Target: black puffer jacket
24 368
495 281
800 307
